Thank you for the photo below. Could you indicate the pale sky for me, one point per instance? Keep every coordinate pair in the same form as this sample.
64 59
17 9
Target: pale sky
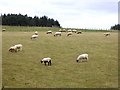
92 14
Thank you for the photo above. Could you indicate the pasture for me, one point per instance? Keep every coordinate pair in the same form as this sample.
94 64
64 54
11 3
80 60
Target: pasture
24 70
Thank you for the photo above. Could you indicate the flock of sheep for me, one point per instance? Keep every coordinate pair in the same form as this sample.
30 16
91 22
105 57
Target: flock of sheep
48 60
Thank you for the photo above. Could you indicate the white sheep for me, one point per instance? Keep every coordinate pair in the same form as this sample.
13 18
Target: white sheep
57 34
34 37
107 34
69 33
82 57
46 60
74 31
60 30
49 32
19 47
13 49
79 32
3 29
69 30
36 33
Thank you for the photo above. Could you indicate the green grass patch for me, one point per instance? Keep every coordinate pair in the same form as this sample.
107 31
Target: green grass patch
24 70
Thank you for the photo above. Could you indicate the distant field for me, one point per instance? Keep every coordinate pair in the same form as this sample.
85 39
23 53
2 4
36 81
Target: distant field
24 70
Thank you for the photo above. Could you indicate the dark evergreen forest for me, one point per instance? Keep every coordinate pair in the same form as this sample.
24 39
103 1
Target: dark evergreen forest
24 20
116 27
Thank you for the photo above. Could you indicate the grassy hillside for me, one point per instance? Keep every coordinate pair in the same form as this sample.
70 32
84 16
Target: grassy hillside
23 69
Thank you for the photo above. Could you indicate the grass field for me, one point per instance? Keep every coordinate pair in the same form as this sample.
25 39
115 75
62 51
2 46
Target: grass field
24 70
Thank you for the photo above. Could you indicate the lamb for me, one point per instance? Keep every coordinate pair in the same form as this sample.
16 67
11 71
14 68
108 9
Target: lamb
46 60
49 32
34 37
69 33
57 34
82 57
107 34
36 33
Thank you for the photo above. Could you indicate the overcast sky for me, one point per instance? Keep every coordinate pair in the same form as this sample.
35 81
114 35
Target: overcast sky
92 14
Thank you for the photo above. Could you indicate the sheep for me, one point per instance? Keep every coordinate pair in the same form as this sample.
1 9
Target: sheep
62 30
82 57
69 30
107 34
46 60
36 33
79 32
19 47
13 49
69 33
74 31
49 32
34 36
57 34
3 29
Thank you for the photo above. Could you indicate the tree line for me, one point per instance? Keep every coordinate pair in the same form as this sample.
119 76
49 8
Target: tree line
115 27
24 20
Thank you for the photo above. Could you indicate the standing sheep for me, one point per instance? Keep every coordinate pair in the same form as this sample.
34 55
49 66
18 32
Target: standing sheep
69 33
107 34
15 48
36 33
46 60
3 29
57 34
49 32
82 57
74 31
69 30
79 32
12 49
34 37
19 47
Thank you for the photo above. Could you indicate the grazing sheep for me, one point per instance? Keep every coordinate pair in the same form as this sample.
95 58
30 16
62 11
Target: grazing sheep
36 33
3 29
49 32
79 32
69 33
62 30
46 60
57 34
74 31
19 47
13 49
107 34
69 30
82 57
34 37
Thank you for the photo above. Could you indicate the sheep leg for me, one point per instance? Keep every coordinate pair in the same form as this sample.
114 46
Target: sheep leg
45 63
50 63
